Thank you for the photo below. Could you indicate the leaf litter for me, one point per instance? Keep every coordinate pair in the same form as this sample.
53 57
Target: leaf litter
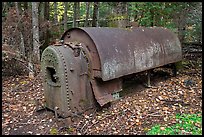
137 110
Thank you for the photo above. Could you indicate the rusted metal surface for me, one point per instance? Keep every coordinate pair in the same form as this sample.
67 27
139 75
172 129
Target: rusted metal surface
66 82
102 90
168 41
89 62
126 51
78 36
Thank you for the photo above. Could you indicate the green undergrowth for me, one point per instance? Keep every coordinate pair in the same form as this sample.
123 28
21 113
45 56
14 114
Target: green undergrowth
186 124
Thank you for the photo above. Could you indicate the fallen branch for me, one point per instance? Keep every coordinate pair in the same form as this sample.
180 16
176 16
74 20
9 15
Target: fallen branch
153 114
21 61
175 101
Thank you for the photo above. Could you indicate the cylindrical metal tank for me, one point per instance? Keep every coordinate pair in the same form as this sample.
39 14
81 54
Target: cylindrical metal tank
88 65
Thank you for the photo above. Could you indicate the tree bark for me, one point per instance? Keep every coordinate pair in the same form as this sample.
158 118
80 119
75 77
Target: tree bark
75 14
95 14
123 12
41 10
19 7
97 21
78 13
46 33
181 26
22 43
35 25
87 14
46 10
120 11
65 16
34 56
152 20
55 13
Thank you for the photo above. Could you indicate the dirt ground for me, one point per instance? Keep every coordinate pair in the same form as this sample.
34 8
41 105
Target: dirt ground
137 110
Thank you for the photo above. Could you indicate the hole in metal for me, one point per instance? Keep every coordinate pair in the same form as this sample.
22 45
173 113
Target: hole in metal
51 74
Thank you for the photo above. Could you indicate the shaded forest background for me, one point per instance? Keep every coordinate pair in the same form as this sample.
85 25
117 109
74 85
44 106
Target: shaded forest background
29 27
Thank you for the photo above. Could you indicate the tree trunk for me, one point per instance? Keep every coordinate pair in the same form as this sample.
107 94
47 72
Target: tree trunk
19 7
55 13
87 14
46 33
25 5
120 11
97 21
22 44
181 26
78 13
65 16
46 10
95 14
75 14
152 20
41 10
180 20
35 55
35 25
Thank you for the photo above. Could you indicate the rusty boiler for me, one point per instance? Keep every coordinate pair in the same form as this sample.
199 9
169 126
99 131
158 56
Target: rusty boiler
87 67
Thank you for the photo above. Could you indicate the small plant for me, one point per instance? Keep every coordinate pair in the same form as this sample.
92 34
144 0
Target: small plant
53 131
69 130
187 124
179 65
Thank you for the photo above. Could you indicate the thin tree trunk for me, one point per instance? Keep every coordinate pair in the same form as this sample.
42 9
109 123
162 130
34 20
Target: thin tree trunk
75 14
46 11
35 54
41 10
121 11
55 13
128 13
22 44
152 20
35 25
95 14
78 13
87 14
65 15
181 26
46 33
19 7
97 21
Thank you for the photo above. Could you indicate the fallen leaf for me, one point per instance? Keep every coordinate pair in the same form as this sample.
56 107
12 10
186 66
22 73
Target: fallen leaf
137 120
162 128
165 108
160 98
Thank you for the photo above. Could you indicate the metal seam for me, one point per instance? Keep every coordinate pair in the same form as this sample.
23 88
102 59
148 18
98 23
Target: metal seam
66 78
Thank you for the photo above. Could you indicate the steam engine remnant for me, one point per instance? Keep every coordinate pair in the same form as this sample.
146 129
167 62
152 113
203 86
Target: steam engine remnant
88 66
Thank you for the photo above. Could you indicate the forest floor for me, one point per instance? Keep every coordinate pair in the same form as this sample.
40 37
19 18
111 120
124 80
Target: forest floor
137 110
